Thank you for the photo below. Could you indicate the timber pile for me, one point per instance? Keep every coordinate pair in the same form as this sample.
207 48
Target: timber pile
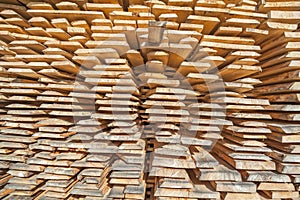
280 84
99 102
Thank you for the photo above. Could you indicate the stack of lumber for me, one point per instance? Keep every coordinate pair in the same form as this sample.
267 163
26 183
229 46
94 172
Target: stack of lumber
62 131
166 114
242 147
131 99
280 85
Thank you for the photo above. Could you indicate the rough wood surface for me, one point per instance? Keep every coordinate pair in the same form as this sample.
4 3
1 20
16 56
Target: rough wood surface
131 99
